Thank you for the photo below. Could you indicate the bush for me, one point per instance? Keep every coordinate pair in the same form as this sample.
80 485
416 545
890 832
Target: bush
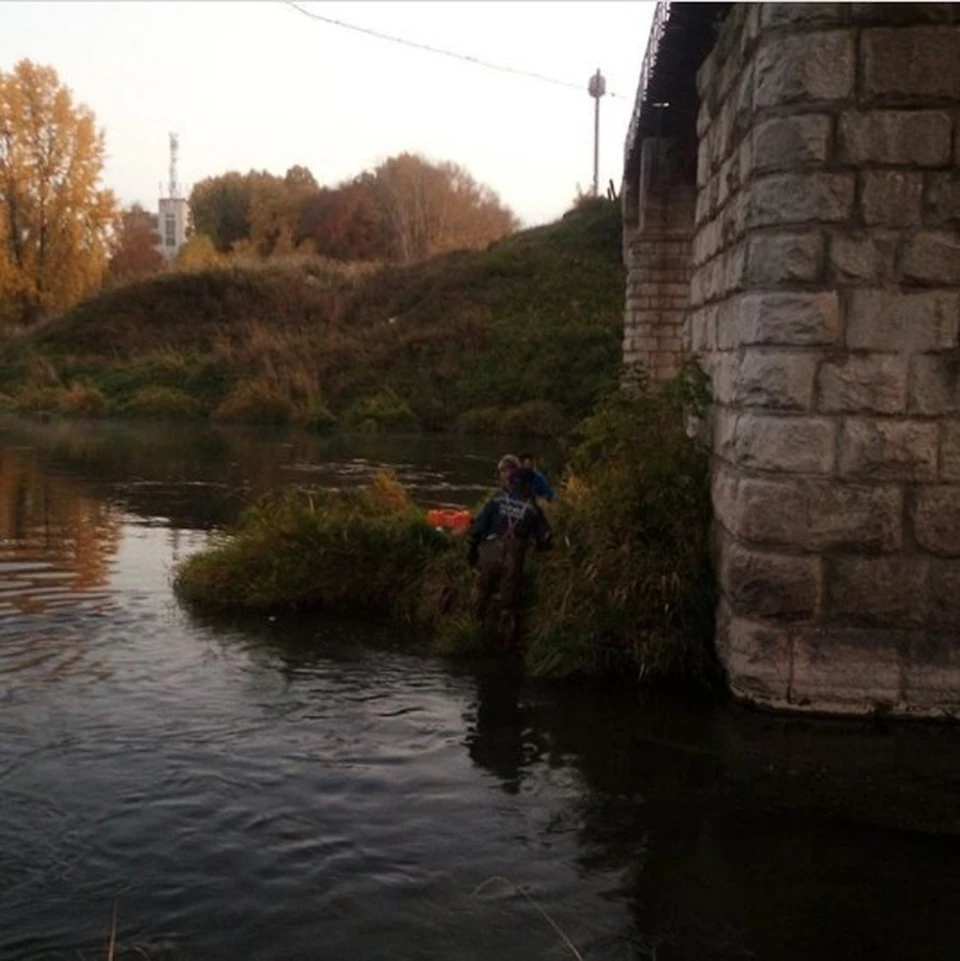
254 403
315 415
165 403
39 400
535 418
82 400
380 410
626 587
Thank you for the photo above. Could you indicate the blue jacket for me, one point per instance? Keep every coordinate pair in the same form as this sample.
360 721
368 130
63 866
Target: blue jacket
506 512
541 486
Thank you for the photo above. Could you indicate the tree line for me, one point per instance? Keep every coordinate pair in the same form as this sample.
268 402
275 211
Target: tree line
63 235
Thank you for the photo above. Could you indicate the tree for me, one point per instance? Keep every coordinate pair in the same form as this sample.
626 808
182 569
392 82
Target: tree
198 253
220 208
55 220
345 222
431 208
137 253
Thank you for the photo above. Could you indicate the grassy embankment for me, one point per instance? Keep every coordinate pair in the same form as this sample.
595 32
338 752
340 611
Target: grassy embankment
519 338
627 585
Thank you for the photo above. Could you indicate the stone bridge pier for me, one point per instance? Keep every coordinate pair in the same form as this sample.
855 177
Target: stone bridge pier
792 215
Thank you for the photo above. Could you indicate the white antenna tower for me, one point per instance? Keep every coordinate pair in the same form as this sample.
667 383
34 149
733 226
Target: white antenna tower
174 147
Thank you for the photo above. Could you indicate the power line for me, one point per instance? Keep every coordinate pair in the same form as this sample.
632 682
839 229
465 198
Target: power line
440 50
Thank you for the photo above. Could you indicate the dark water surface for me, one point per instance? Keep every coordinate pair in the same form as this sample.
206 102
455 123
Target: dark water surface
326 790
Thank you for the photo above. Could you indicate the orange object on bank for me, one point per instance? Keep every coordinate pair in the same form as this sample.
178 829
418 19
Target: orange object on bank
454 520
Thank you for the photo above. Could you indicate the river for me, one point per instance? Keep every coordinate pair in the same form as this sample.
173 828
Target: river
315 789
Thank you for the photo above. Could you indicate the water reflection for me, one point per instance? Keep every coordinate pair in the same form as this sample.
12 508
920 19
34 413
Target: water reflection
56 541
248 783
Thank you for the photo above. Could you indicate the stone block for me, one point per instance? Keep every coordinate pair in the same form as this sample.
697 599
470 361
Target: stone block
950 450
724 377
761 584
777 379
775 15
789 320
804 68
728 323
786 143
703 329
889 320
932 673
872 449
919 138
862 257
902 14
799 198
944 598
935 513
788 444
783 258
848 670
876 383
757 659
885 591
891 197
935 383
943 197
812 514
911 63
932 258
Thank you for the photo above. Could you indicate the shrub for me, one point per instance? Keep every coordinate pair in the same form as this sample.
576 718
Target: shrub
314 414
380 410
39 400
166 403
535 418
82 400
254 403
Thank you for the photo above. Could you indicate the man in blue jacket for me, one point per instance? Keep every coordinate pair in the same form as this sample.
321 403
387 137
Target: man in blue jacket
541 486
498 540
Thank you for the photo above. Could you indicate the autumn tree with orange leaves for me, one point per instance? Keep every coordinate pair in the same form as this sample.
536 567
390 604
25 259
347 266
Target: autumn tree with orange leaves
56 222
137 251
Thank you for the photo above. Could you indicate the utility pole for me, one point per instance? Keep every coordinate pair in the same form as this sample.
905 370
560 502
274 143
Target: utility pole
596 88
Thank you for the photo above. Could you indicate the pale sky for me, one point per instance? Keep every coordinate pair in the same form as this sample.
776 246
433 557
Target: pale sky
259 85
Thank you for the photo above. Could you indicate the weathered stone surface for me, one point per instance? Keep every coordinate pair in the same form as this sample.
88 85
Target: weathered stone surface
876 591
803 68
888 320
773 15
935 383
787 143
943 197
872 449
790 320
932 669
848 670
910 137
932 257
876 383
891 197
944 600
936 519
907 63
860 257
763 584
799 198
902 14
703 329
757 658
950 450
778 380
723 426
809 514
788 444
776 258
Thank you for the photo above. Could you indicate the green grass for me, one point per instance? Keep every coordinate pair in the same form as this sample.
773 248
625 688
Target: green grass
627 587
525 333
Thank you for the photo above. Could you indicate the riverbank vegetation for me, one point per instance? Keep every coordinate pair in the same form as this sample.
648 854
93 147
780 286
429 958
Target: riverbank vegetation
626 587
518 338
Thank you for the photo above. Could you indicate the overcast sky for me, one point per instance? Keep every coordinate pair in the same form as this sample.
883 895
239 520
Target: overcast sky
259 85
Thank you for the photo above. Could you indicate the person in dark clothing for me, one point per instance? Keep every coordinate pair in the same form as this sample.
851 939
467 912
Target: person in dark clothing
541 486
498 540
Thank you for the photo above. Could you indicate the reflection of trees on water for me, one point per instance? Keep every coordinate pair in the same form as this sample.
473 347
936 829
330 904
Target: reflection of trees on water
735 837
53 535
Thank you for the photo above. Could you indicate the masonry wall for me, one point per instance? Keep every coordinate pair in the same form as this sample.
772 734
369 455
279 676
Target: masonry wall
825 301
658 228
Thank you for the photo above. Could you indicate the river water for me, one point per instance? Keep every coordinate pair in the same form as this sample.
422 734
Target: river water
316 789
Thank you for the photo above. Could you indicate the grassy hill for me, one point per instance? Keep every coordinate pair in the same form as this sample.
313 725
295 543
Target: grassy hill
519 337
